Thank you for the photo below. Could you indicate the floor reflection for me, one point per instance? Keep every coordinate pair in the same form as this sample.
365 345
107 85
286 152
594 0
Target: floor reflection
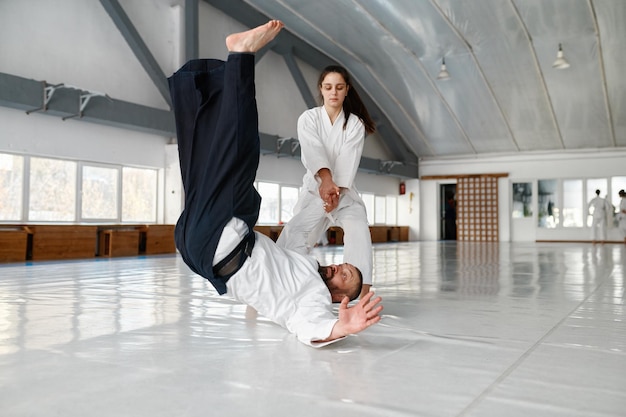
469 329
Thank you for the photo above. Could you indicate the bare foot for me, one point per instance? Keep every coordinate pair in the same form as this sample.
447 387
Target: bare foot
254 39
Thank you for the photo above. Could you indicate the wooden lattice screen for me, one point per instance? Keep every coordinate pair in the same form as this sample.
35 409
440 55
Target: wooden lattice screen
477 208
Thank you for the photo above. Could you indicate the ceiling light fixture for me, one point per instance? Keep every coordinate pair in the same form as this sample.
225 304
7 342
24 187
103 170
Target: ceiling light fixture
443 72
561 62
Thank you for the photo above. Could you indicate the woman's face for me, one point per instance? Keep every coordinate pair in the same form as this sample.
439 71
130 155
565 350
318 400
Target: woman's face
334 90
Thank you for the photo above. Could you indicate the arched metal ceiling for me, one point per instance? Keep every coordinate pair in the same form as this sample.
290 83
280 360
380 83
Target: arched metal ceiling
66 101
503 94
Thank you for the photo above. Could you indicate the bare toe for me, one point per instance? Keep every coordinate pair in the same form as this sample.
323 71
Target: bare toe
254 39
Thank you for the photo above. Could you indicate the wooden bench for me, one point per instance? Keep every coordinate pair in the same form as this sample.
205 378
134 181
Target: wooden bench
404 233
393 234
13 243
379 234
118 241
270 231
157 239
62 242
49 242
335 235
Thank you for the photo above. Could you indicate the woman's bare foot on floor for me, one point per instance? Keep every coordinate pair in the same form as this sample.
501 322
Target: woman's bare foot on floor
254 39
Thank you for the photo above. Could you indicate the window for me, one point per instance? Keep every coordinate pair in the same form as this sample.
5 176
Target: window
522 200
139 195
288 200
368 199
268 213
99 193
392 210
380 210
617 183
52 190
573 203
11 187
548 216
37 189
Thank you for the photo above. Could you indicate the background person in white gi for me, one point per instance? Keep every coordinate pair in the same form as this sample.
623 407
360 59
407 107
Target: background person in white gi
218 143
601 211
331 139
622 213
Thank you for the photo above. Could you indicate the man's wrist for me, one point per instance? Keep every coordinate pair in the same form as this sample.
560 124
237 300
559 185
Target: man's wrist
324 174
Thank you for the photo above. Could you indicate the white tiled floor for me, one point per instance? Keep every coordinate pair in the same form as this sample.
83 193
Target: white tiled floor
468 330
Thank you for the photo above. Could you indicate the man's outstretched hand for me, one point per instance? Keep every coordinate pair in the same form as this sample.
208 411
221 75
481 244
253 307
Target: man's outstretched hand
357 318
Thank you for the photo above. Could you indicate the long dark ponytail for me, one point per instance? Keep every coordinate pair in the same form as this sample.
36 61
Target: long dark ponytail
352 102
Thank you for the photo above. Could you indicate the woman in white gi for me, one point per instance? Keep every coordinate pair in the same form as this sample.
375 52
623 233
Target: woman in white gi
331 139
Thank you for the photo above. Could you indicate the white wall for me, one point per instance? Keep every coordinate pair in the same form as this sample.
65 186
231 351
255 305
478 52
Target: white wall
409 208
528 167
42 135
76 43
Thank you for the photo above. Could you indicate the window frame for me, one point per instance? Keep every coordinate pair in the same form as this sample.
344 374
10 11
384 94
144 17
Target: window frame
118 168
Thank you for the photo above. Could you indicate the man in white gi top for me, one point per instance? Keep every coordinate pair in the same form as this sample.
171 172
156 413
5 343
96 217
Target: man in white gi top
217 129
601 213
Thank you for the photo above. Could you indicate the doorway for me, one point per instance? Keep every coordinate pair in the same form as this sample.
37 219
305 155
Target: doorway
447 197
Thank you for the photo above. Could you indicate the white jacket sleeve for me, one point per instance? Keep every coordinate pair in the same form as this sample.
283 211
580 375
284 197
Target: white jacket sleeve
349 158
314 156
310 328
311 317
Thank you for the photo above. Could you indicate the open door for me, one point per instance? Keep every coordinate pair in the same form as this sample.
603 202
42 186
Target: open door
448 211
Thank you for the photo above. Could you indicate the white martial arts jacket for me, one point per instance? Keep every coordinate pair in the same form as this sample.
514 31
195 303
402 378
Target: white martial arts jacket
325 145
622 215
281 285
601 208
